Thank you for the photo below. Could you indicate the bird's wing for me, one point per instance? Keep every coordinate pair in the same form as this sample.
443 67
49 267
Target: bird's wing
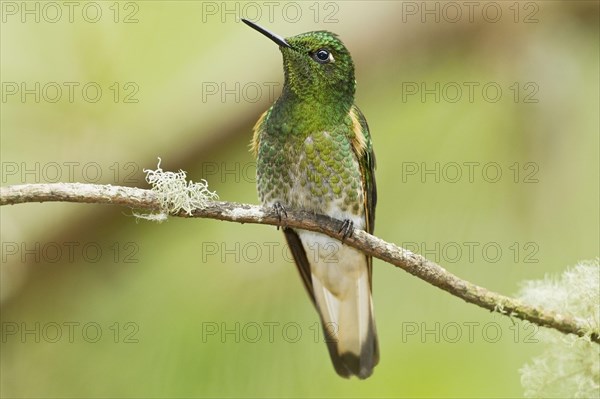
363 148
302 264
257 129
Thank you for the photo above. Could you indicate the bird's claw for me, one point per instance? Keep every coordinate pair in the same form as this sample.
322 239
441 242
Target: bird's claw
280 210
347 229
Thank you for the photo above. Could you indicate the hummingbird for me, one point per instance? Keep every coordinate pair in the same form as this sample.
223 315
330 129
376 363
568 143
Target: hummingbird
314 153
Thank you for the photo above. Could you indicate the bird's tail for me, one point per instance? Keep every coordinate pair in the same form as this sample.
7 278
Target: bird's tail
349 325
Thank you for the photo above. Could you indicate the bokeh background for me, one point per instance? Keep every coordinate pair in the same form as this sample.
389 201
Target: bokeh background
97 304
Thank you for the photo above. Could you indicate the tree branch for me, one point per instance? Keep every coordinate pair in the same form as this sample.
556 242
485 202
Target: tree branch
414 264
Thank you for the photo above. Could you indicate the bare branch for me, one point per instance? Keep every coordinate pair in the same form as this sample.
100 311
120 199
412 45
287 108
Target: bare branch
414 264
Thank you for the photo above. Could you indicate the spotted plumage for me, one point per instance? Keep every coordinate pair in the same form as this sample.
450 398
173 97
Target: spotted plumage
314 152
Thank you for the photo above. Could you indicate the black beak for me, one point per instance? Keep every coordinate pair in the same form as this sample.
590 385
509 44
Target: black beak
276 38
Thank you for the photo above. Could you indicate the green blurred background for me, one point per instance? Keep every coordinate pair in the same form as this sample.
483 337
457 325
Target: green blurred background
193 308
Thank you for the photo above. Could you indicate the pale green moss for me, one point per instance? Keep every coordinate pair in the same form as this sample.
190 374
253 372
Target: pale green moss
176 194
570 365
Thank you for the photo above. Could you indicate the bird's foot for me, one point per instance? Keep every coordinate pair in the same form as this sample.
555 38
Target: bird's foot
347 229
280 210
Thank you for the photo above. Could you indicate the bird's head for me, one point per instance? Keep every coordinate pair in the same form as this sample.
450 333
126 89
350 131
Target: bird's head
317 65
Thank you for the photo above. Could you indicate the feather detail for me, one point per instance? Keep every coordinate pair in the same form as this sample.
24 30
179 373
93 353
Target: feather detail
359 141
257 131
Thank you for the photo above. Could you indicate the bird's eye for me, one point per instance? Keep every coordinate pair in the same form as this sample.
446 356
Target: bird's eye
322 56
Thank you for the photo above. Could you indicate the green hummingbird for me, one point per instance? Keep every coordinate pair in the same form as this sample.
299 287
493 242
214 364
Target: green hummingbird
314 153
